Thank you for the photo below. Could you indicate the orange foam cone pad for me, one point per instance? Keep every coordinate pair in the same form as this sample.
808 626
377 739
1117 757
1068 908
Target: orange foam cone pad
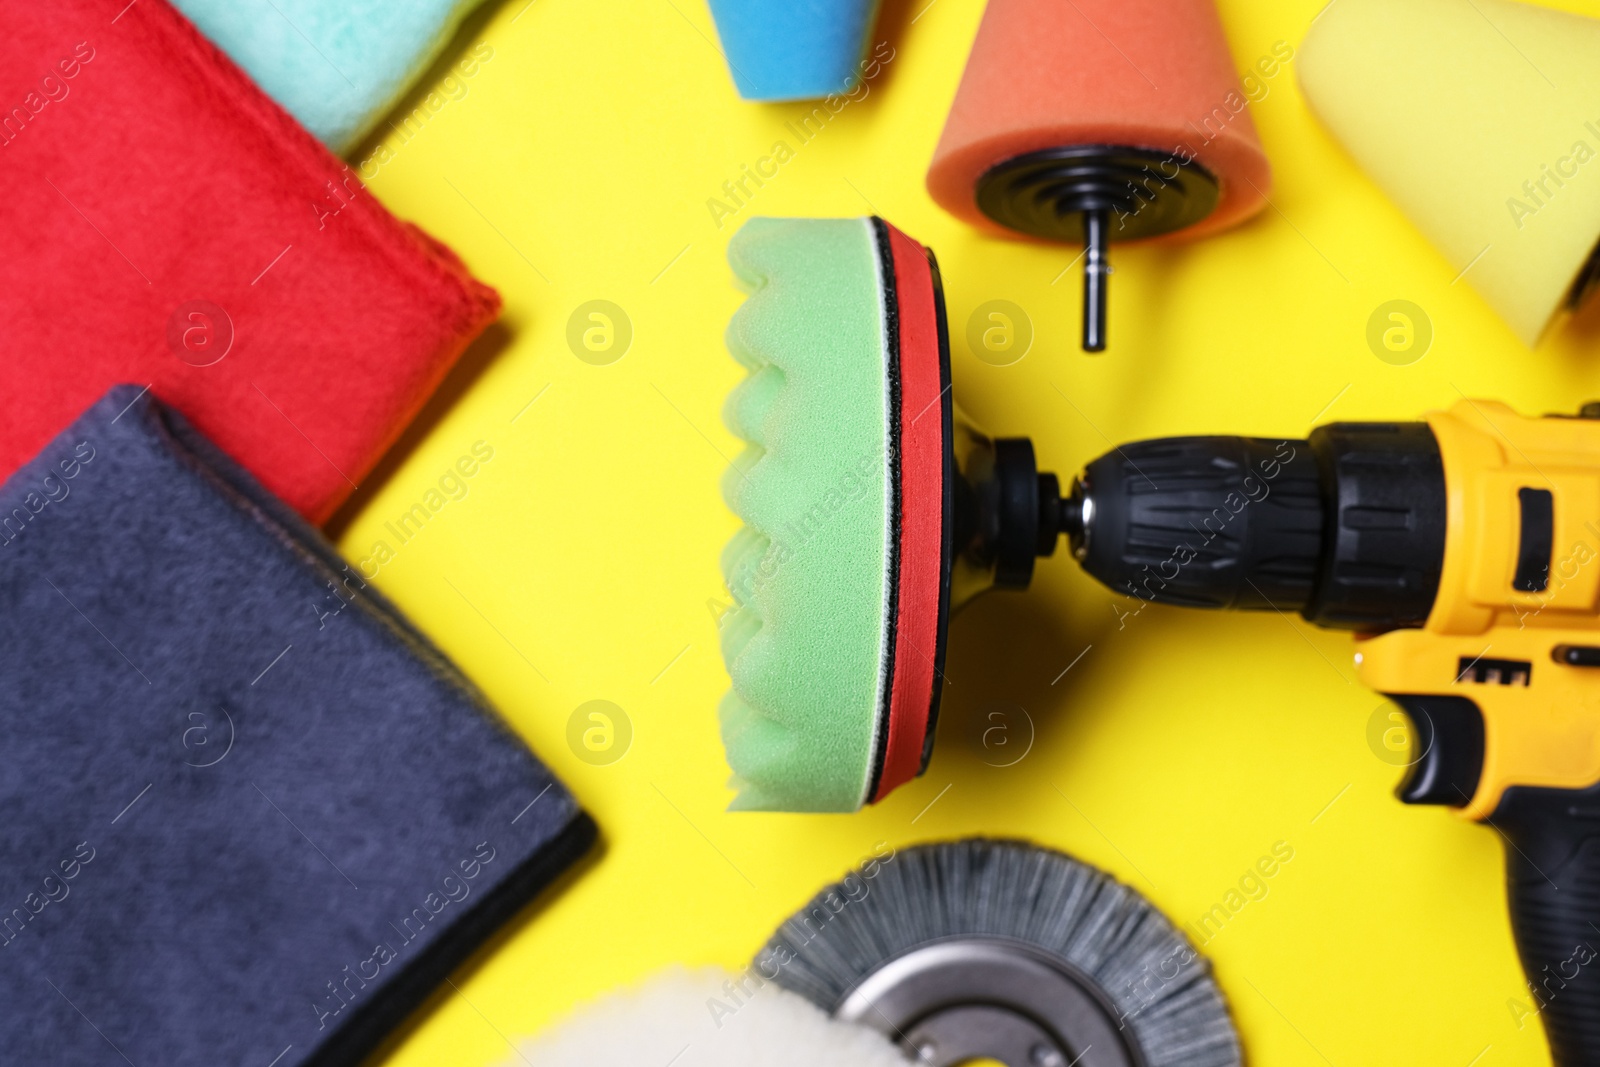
1143 74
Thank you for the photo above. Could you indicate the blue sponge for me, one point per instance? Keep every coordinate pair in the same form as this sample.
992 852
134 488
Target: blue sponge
793 49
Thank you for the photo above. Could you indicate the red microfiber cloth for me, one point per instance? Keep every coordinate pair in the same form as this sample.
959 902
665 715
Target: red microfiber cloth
167 223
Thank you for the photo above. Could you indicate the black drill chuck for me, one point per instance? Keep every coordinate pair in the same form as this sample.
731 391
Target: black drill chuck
1347 528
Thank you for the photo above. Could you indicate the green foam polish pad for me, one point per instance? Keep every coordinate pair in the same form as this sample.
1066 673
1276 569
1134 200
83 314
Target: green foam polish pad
840 575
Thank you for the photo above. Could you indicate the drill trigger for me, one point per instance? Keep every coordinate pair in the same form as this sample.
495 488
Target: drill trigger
1447 758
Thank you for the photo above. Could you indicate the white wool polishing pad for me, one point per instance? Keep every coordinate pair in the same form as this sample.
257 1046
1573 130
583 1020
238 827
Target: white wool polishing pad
705 1019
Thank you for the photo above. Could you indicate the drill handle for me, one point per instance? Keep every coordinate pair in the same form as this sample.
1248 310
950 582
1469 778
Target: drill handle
1552 844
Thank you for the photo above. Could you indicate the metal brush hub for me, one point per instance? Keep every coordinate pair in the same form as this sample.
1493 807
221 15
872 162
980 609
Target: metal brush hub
979 998
1146 193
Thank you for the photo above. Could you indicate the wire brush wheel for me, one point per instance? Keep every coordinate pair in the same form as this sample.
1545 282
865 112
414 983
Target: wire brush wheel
1000 950
707 1018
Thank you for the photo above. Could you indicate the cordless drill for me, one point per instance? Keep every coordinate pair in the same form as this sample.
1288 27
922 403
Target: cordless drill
1464 552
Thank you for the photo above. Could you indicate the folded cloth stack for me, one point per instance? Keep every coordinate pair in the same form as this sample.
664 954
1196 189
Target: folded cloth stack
338 68
248 813
168 224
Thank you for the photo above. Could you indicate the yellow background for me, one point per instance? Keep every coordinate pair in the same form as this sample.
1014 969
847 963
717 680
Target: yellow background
1177 750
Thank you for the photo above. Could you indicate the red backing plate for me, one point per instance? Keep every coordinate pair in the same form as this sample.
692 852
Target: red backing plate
922 449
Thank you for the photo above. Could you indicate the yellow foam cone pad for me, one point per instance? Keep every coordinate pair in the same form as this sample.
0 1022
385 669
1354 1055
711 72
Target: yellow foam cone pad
1481 120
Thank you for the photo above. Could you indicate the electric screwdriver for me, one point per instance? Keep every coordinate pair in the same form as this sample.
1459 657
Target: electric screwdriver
1464 553
1460 550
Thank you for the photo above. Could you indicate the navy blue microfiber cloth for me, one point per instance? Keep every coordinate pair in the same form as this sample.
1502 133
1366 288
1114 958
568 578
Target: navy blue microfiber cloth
248 813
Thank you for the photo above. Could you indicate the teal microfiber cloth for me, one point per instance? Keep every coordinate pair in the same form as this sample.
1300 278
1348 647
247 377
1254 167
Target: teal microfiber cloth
248 812
337 67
